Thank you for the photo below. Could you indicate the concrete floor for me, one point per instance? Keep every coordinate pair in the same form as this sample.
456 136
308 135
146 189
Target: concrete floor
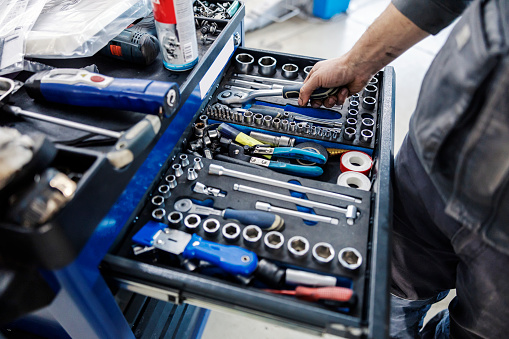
304 35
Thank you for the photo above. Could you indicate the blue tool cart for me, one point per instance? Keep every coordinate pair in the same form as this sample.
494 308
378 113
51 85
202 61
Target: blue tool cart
101 265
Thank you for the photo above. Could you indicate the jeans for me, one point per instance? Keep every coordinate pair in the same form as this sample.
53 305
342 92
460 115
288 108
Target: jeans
432 254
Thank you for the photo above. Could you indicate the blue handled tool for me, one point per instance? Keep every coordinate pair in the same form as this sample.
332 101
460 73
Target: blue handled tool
82 88
290 153
231 259
265 220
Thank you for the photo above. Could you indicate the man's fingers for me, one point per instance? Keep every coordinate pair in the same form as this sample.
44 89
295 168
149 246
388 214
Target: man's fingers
307 88
342 95
330 102
316 103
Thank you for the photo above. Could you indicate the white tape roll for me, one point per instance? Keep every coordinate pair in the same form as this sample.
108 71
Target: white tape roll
354 180
356 161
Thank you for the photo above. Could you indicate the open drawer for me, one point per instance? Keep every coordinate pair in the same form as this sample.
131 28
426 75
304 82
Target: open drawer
347 243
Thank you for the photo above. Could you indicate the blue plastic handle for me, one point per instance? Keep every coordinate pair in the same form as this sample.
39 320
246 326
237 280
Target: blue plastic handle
298 153
231 259
259 218
145 236
303 171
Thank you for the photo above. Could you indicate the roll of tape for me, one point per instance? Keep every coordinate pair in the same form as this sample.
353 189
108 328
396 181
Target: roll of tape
313 146
354 180
355 161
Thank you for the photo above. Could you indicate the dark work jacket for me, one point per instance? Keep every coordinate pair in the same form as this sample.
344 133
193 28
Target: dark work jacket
460 128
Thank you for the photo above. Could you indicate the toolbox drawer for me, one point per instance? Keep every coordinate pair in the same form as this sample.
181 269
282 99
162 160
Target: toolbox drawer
161 275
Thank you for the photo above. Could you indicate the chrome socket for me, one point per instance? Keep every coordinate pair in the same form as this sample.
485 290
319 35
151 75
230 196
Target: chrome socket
191 174
198 129
258 118
197 164
171 180
298 246
349 133
370 91
164 190
366 136
175 219
353 113
323 252
204 119
211 226
192 222
244 63
290 71
351 122
247 117
267 120
286 115
368 123
350 258
177 170
252 235
231 232
284 125
369 103
355 97
274 240
292 126
276 123
267 66
373 81
354 105
158 214
158 201
307 69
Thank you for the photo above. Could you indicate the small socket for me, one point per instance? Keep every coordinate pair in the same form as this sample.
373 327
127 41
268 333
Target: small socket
184 160
258 118
323 252
298 246
369 103
197 164
373 81
306 70
284 125
267 120
177 170
158 200
204 119
267 66
350 258
191 174
353 113
276 123
248 117
292 126
290 71
164 190
231 232
158 214
252 235
192 222
198 129
370 91
349 133
211 226
274 240
366 136
355 97
244 63
368 123
175 219
354 105
351 122
171 180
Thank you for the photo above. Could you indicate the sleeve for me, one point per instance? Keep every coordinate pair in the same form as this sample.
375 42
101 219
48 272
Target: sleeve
431 15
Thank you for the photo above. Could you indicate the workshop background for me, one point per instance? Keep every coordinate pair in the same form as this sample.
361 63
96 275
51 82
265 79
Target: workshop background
288 26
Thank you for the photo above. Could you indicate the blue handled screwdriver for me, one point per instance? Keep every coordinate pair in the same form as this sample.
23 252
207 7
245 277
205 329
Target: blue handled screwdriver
79 87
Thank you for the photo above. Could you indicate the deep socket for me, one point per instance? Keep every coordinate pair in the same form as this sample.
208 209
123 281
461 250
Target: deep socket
158 214
252 235
267 120
248 117
171 180
197 164
175 219
177 169
192 222
298 246
191 174
267 66
231 232
274 240
354 105
290 71
368 123
351 122
276 123
158 200
292 126
198 129
370 91
369 103
366 136
286 115
350 258
280 141
284 125
244 62
323 252
258 118
349 133
211 226
204 119
164 190
353 113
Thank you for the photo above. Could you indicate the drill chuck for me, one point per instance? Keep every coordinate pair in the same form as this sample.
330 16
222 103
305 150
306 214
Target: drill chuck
133 46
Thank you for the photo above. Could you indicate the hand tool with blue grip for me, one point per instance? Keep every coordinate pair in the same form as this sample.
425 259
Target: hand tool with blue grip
264 220
231 259
82 88
290 153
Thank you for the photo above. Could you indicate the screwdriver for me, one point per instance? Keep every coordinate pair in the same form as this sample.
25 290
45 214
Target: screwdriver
335 293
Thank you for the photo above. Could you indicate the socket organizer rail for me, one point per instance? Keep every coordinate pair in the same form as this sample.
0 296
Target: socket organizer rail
320 232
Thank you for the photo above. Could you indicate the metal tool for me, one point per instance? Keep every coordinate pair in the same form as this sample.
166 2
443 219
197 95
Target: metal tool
252 235
366 136
290 71
323 252
232 96
350 258
164 190
231 232
298 277
211 226
298 246
197 164
273 140
244 62
175 218
192 221
203 189
177 168
274 240
220 170
263 206
267 66
350 211
158 214
267 221
82 88
158 200
191 174
171 180
129 145
264 79
231 259
369 103
184 160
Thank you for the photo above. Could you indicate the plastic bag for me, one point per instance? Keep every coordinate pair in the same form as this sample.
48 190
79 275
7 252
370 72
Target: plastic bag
80 28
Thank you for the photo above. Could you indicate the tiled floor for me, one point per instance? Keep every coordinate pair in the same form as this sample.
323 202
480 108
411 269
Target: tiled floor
303 35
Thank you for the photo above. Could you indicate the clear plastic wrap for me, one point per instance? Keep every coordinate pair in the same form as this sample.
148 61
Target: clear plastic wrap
80 28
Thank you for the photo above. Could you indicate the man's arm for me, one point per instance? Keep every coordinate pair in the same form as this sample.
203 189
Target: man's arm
388 37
